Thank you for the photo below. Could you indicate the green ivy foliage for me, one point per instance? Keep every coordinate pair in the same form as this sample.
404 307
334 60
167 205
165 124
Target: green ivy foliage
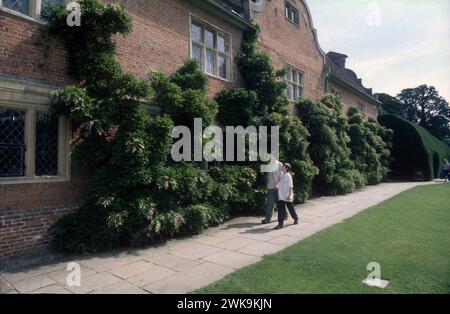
238 188
369 145
261 77
137 194
183 95
263 102
236 107
328 146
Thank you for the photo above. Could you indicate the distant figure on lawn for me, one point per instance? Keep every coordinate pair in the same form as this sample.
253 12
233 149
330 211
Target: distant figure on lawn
273 178
286 197
445 168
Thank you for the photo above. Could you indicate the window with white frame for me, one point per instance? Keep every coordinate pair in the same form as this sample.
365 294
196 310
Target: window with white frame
361 107
295 81
292 13
212 49
31 8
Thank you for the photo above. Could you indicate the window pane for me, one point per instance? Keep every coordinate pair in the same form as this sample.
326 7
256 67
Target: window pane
46 145
197 53
289 91
210 61
223 67
300 92
294 92
294 76
21 6
222 44
289 74
12 143
196 31
209 39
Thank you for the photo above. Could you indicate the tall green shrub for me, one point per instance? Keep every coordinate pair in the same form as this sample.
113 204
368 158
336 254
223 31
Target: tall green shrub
328 146
414 149
369 145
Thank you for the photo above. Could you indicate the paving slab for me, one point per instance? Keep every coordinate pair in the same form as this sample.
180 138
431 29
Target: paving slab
188 281
122 287
132 269
53 289
153 274
232 259
195 251
235 244
95 282
262 249
35 283
173 262
5 287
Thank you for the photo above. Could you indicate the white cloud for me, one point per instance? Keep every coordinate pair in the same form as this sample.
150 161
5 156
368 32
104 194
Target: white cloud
411 46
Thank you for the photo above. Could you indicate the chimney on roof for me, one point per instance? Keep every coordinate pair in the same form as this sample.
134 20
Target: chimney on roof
338 58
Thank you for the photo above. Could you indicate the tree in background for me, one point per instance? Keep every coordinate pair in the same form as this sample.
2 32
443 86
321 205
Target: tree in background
390 105
421 105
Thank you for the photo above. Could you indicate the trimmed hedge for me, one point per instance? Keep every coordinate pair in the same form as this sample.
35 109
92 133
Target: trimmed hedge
414 149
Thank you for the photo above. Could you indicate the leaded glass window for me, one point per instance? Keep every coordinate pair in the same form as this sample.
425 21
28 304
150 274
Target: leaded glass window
12 142
22 6
212 49
46 159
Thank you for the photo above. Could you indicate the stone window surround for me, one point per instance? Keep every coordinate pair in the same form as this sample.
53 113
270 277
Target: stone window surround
31 97
194 19
35 11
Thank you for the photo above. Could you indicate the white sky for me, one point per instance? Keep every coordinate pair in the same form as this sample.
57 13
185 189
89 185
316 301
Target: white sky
391 44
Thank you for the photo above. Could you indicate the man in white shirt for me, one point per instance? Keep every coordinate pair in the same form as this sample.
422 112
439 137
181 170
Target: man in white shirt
273 179
286 197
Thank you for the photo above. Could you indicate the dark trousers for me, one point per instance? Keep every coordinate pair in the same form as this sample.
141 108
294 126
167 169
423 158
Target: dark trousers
272 196
282 211
446 174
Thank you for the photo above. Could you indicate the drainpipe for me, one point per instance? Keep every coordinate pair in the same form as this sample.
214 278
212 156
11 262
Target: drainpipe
326 74
246 9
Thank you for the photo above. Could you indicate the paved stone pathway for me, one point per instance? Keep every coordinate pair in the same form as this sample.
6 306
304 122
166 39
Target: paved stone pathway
184 265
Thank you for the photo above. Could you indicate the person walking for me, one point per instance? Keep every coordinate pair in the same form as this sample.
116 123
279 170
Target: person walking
273 179
286 197
445 168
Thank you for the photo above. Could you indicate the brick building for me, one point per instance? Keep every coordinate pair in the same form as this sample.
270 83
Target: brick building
38 184
345 83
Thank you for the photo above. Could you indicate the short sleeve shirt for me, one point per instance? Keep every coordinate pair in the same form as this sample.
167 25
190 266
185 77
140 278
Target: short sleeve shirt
283 190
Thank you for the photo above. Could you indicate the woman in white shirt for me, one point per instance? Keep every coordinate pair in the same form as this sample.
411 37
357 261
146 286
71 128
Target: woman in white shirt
286 197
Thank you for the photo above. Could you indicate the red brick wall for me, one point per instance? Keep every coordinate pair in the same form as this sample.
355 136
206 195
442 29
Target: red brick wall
21 52
289 43
352 99
27 211
160 41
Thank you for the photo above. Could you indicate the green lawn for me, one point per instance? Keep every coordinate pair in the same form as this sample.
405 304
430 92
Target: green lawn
409 236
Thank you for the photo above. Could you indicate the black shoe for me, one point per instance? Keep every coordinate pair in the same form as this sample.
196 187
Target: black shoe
265 222
296 222
278 227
